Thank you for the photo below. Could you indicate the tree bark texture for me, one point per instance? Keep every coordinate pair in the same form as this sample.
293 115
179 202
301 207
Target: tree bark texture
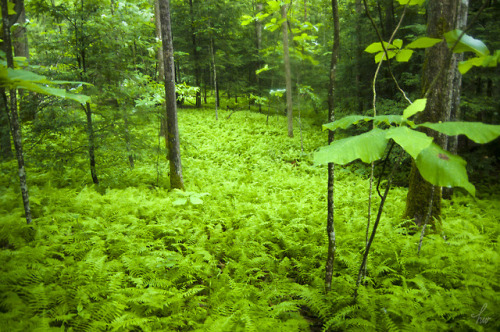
91 140
330 225
161 66
197 71
454 97
288 74
5 144
172 136
14 120
442 16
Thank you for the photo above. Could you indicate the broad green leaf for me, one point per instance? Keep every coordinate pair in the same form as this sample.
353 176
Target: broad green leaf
424 42
417 106
412 2
346 122
180 201
246 19
368 147
389 119
404 55
377 47
195 200
482 61
54 92
381 56
478 132
398 43
441 168
411 141
466 43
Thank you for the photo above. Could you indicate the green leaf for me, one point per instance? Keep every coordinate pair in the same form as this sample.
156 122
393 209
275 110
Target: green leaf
381 56
389 119
412 2
444 169
411 141
398 43
417 106
424 42
246 20
195 200
346 122
466 43
368 147
11 6
377 47
180 201
476 131
265 68
404 55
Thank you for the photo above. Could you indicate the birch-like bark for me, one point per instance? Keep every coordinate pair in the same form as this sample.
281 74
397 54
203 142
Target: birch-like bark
330 224
288 74
14 120
172 135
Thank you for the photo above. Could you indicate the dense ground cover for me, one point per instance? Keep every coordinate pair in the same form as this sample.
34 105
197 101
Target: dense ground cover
129 256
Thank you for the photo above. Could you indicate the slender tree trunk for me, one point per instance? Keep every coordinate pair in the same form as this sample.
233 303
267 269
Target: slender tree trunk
5 144
197 71
288 74
91 139
359 52
21 49
161 66
330 225
441 17
258 37
14 121
212 53
172 137
454 97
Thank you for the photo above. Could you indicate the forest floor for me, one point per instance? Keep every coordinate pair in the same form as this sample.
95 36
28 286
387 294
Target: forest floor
243 249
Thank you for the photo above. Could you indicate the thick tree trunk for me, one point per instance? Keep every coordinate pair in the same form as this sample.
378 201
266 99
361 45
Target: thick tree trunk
441 17
330 225
172 137
14 121
288 75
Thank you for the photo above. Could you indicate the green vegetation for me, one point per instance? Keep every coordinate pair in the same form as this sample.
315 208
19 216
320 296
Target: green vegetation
123 256
204 165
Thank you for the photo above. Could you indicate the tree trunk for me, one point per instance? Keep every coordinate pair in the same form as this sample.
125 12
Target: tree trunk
441 17
172 136
14 121
288 75
161 70
91 139
359 54
330 225
5 144
197 71
454 98
212 53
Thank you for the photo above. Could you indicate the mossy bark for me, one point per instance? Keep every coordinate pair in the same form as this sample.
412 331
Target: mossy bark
438 85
